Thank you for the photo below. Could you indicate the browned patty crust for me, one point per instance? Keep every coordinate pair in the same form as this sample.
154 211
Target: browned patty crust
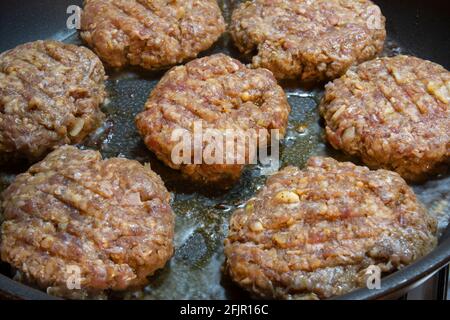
312 40
110 218
151 34
313 233
50 94
394 113
221 93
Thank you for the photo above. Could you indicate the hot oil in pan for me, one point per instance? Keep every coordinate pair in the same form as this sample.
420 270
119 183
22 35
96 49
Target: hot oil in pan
202 219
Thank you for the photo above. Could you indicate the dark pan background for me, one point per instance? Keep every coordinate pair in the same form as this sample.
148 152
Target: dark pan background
415 27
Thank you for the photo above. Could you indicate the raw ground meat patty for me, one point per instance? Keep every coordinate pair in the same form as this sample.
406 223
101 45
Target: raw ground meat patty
151 34
110 218
313 233
221 93
50 94
313 40
394 113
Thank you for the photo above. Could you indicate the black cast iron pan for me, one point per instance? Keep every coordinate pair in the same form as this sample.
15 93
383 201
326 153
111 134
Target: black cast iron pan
415 27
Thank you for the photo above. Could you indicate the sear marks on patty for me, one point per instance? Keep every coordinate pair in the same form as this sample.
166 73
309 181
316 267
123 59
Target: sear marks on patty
50 94
221 93
311 40
151 34
313 233
109 218
394 113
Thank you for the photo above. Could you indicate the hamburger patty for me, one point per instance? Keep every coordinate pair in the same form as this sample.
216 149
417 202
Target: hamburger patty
151 34
313 233
221 93
50 94
111 219
312 40
394 113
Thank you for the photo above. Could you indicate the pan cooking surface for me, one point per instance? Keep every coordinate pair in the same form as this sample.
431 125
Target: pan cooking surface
202 217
